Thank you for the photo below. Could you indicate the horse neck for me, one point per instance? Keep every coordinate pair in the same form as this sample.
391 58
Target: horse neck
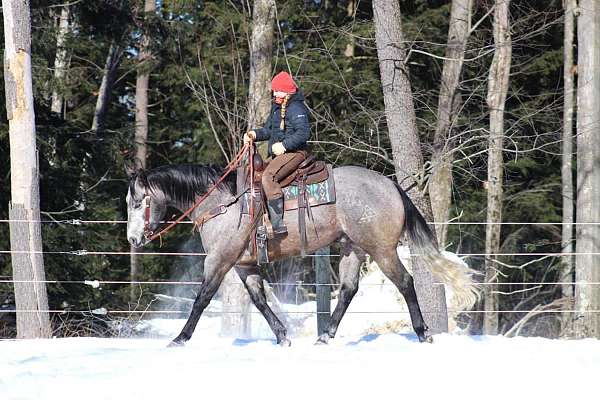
215 198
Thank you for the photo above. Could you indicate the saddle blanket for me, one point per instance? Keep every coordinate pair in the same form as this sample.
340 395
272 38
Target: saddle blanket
316 194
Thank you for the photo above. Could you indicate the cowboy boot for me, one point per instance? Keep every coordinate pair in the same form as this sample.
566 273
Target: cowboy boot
275 207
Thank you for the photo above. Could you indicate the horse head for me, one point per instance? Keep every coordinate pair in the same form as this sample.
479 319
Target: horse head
146 207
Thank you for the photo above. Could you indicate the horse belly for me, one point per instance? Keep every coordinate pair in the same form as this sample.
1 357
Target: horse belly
321 230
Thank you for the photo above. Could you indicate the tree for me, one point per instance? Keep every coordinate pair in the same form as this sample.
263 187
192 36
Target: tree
113 59
440 182
141 118
261 62
587 297
406 148
234 295
61 61
24 209
498 79
567 158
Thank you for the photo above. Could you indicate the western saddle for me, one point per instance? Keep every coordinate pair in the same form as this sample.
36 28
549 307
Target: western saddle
310 185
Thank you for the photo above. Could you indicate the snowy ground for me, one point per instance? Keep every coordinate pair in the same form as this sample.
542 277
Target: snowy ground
367 366
357 364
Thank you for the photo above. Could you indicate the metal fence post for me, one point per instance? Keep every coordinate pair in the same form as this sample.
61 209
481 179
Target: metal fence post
322 267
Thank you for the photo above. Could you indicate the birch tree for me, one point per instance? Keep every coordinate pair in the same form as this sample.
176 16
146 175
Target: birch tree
587 296
61 61
406 148
498 79
440 182
24 209
567 158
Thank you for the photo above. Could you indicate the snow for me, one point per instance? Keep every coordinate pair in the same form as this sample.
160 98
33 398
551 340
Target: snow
375 355
366 366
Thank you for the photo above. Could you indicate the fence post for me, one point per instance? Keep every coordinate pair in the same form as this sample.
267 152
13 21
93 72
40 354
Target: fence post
322 267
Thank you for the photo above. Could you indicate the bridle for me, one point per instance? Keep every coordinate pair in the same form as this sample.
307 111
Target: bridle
148 233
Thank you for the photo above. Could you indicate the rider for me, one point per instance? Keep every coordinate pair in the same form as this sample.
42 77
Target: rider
287 129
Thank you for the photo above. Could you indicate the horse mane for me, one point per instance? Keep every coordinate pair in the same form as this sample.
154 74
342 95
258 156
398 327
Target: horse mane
183 183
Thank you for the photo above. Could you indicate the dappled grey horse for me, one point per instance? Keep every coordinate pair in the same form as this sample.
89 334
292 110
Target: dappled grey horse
370 215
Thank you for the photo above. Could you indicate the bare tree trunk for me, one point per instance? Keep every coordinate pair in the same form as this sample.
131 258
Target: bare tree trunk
60 62
498 79
261 65
141 124
440 184
25 237
113 59
587 297
234 296
406 148
567 161
236 320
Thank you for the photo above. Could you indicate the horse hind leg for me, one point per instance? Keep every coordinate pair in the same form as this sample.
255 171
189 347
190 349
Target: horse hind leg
392 267
255 287
352 258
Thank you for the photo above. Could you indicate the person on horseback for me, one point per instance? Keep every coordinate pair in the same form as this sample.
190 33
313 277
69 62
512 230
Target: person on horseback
287 129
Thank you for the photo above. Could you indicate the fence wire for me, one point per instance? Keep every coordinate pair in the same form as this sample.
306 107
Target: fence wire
95 283
84 222
209 312
84 252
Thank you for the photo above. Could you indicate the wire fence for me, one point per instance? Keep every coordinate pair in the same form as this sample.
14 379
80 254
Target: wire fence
96 283
84 252
150 312
83 222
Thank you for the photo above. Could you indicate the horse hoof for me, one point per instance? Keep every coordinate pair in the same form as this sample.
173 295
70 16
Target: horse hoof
323 339
285 342
428 339
176 343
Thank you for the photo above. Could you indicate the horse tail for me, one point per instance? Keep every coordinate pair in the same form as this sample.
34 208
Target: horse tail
455 274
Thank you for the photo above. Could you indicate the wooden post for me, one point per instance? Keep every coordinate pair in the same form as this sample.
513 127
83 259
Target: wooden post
322 267
24 209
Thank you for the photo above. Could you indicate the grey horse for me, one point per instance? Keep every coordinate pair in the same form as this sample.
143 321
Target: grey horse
370 215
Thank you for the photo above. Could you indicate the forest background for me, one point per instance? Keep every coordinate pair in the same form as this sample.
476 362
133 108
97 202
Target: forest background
198 111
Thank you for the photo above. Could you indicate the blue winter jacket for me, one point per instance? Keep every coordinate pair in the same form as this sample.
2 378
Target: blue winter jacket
297 125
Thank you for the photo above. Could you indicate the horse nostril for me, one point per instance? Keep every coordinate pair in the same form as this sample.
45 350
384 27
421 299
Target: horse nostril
133 242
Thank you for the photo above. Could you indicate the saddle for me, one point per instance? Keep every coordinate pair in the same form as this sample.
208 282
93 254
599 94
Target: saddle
310 185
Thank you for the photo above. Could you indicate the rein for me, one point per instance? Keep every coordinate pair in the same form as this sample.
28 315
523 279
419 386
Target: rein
150 235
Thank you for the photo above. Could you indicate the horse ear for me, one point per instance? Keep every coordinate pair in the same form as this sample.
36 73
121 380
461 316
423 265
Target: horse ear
133 168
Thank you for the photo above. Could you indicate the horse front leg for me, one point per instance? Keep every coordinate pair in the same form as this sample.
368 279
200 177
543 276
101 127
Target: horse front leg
214 272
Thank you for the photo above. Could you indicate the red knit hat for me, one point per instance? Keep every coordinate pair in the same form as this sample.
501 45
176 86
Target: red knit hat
283 82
